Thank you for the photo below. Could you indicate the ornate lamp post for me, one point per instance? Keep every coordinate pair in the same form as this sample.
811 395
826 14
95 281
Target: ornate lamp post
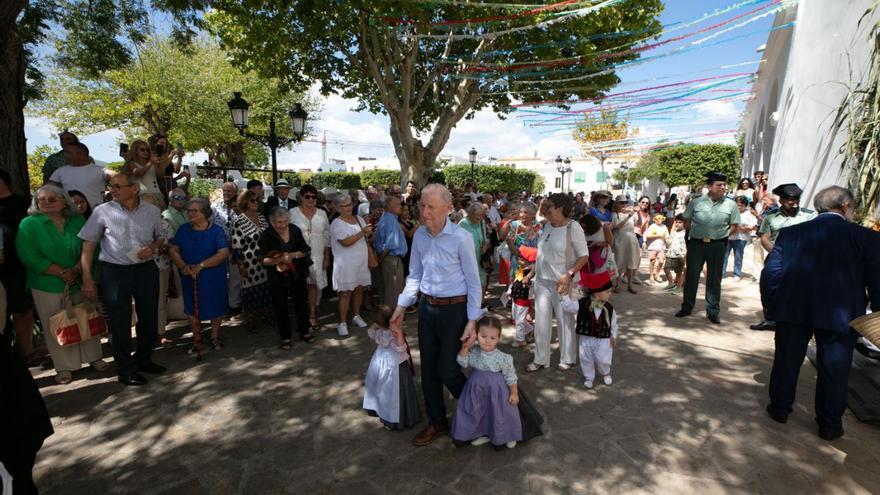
472 157
562 166
238 108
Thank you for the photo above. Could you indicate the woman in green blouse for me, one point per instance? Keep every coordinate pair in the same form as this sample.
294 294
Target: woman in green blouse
473 223
49 248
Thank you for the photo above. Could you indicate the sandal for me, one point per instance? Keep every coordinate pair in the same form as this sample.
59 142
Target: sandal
63 377
285 345
166 343
313 325
217 344
307 338
532 367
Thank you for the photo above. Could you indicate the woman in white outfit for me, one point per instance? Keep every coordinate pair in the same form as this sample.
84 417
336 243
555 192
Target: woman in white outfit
627 254
562 251
315 228
351 271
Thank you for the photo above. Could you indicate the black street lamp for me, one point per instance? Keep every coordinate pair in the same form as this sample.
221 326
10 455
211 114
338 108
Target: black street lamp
472 156
562 166
238 108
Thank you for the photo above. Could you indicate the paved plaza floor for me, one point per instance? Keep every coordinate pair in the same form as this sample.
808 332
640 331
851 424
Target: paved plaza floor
685 415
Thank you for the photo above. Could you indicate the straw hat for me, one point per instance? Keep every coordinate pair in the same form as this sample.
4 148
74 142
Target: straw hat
869 327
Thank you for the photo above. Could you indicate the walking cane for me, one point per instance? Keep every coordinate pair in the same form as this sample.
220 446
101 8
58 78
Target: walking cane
197 331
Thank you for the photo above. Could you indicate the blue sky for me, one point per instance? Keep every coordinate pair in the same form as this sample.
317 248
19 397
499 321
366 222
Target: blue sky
367 134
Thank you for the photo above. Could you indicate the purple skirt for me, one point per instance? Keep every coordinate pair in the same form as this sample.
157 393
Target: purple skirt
484 411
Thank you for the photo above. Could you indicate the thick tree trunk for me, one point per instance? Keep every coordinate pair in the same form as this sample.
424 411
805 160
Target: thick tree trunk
13 151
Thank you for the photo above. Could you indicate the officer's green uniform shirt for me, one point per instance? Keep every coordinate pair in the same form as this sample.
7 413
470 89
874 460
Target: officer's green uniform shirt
711 219
775 222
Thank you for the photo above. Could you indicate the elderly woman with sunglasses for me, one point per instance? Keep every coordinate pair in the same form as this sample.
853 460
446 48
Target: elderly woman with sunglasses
247 228
199 250
50 250
315 227
562 252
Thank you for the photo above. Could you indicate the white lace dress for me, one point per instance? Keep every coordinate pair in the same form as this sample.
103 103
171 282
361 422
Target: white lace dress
316 232
350 264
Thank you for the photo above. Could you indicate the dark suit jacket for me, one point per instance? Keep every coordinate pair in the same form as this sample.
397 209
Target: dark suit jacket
272 202
818 272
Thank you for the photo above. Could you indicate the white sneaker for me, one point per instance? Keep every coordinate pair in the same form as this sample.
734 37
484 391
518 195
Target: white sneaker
342 330
588 384
511 444
480 441
357 320
607 379
737 279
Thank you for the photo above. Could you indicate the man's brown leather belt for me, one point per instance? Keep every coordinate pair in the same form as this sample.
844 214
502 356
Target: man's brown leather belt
445 301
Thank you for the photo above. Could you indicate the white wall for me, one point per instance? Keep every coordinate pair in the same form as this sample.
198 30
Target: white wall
829 51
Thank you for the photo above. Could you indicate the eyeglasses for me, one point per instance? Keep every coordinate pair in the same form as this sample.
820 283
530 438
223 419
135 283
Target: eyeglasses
47 200
309 196
143 149
193 210
178 198
252 200
120 186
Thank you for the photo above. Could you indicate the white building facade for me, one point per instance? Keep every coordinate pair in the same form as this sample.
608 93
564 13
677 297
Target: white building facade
586 175
807 71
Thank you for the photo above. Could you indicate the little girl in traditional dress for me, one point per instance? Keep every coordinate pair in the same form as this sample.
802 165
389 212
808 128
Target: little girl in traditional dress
596 326
389 390
491 407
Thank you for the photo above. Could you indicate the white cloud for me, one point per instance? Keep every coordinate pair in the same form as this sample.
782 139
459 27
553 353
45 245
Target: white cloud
717 110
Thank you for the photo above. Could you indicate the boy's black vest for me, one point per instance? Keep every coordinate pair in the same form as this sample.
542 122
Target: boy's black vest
590 325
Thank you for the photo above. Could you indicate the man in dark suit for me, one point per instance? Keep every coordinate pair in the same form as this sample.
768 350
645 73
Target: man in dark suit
813 284
281 197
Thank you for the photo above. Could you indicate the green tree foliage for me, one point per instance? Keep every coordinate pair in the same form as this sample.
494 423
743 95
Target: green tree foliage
426 85
339 180
381 177
178 92
594 132
687 164
493 178
35 161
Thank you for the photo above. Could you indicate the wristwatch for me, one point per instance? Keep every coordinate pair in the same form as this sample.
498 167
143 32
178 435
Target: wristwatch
201 266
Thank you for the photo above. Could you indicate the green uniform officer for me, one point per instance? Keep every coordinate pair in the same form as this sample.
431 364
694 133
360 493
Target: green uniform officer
789 214
709 218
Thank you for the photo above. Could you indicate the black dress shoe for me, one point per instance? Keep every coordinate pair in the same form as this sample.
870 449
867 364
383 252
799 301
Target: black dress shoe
714 319
763 326
151 367
132 379
682 313
775 416
830 435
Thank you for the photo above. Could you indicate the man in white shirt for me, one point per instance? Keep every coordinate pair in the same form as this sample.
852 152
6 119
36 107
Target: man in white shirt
82 174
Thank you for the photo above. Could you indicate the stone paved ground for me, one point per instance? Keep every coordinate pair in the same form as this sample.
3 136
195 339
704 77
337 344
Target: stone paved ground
685 414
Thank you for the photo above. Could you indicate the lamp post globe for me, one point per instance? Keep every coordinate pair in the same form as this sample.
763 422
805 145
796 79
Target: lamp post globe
298 118
472 157
238 108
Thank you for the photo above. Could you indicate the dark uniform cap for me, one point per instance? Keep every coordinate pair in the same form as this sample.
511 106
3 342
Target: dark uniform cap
788 191
715 177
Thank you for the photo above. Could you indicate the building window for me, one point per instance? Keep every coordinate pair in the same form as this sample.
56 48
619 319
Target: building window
558 182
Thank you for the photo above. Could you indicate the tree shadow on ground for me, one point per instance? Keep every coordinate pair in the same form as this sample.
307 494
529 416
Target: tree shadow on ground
685 413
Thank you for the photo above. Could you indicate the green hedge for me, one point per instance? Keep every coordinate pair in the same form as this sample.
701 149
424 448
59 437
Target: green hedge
384 178
339 180
492 178
687 164
202 188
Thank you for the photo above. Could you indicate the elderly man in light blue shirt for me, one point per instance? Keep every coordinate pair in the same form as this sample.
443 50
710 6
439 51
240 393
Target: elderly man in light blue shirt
443 268
390 245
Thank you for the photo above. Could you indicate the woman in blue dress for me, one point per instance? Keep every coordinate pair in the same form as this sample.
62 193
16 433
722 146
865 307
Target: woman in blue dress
199 250
600 207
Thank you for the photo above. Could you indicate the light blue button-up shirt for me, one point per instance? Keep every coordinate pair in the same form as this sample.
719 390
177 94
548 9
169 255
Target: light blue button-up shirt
389 236
444 266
